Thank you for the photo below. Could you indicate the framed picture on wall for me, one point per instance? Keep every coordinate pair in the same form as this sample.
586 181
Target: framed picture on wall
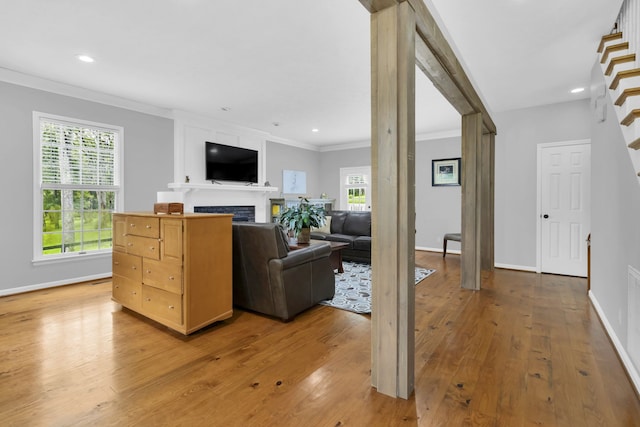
294 182
445 172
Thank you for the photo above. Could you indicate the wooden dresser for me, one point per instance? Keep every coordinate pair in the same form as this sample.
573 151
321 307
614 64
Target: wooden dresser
174 269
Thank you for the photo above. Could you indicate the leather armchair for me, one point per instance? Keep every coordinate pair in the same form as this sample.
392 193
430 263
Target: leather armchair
270 279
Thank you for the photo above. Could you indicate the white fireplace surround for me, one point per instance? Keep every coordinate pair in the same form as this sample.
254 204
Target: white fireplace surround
226 195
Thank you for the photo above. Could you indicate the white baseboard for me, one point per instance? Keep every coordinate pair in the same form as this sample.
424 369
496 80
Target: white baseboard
515 267
422 248
622 353
36 287
497 265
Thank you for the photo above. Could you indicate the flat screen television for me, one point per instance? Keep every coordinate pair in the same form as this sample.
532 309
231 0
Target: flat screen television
227 163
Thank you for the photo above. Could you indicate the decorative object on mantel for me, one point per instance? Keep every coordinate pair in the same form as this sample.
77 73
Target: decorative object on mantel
353 287
168 208
301 218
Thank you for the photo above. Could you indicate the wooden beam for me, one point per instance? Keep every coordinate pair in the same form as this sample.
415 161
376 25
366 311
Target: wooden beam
487 232
439 76
430 33
374 6
393 220
471 201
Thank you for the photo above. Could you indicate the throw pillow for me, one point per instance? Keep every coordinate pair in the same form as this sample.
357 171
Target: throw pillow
326 228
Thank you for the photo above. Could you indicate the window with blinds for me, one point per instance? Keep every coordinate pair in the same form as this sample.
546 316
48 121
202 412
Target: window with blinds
79 185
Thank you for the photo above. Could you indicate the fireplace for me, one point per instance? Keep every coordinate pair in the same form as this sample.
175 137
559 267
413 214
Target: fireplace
240 213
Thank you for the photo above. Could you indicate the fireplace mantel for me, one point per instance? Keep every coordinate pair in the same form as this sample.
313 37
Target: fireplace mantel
205 194
215 187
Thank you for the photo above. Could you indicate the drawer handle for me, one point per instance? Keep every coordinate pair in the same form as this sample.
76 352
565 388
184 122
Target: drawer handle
152 248
171 307
133 267
171 278
129 244
134 293
117 286
148 226
149 271
116 263
132 225
148 299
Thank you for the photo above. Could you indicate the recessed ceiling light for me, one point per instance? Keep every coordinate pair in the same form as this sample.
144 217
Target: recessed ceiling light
85 58
577 90
315 130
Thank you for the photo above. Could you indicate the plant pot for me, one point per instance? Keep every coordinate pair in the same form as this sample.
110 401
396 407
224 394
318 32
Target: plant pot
304 236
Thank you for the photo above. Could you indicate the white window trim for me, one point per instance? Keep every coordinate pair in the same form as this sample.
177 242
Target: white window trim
38 258
353 170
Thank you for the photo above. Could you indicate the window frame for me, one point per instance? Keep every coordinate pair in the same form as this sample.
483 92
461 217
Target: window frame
38 232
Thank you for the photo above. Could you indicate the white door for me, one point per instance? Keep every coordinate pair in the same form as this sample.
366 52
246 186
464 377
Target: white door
355 188
564 171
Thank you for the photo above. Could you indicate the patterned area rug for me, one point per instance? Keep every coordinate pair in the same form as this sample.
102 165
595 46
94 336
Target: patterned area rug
353 287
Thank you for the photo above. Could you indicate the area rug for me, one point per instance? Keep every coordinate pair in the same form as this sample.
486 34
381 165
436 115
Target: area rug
353 287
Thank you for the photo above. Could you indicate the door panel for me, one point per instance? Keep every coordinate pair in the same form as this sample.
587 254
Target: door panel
565 177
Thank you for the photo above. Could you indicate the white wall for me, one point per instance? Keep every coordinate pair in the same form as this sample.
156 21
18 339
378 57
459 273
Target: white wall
438 209
148 166
191 133
519 132
615 237
332 161
286 157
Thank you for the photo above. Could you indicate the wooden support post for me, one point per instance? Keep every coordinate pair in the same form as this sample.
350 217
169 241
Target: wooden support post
471 200
393 214
487 243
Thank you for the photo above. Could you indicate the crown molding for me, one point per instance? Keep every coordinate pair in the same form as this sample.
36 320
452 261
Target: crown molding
34 82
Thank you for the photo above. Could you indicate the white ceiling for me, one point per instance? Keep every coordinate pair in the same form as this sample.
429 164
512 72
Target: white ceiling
301 63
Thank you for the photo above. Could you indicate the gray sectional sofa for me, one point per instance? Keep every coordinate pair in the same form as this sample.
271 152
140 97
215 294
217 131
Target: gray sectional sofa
352 227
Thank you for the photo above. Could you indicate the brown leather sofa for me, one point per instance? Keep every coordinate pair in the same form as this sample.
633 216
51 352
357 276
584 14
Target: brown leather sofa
354 228
271 279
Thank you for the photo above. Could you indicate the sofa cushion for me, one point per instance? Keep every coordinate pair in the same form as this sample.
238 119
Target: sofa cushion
357 224
337 221
317 235
344 238
362 243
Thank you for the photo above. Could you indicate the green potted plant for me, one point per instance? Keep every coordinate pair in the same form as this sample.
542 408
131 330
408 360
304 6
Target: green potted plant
301 218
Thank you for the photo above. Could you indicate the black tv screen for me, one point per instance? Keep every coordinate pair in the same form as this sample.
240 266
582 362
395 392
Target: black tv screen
227 163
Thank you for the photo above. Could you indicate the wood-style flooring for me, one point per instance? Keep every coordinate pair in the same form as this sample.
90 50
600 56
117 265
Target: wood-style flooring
526 350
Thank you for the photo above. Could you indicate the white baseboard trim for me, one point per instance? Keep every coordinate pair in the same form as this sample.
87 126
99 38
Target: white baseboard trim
622 353
516 267
39 286
497 265
422 248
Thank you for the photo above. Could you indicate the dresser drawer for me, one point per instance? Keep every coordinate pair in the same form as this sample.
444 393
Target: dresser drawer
129 266
127 292
162 275
143 226
143 246
163 304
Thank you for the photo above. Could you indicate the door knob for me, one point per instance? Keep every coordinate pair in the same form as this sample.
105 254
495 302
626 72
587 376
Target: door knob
545 216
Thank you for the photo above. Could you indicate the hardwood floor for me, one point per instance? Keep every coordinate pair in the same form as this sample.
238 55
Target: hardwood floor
526 350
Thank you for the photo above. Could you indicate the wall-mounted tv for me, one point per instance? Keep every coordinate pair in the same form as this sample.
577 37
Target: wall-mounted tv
227 163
